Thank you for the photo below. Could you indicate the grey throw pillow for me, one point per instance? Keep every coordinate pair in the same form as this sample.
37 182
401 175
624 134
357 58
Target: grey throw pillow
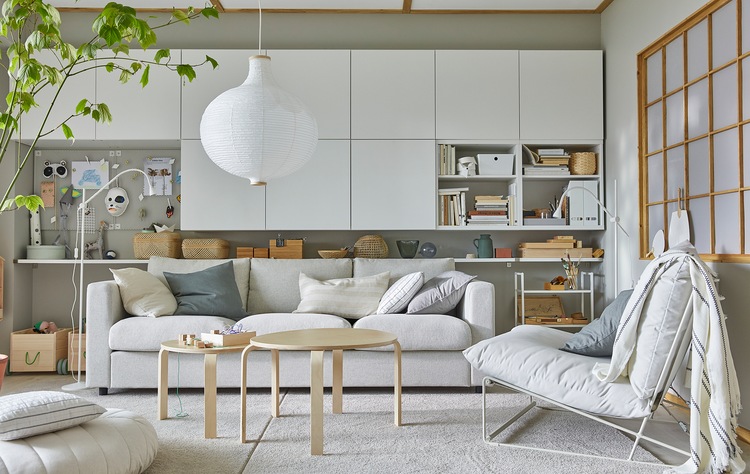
209 292
598 337
440 294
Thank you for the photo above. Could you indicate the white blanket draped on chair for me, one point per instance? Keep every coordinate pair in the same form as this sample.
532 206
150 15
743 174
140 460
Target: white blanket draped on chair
714 391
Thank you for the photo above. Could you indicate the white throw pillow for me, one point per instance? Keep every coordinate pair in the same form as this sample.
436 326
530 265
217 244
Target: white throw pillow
143 294
400 293
351 298
32 413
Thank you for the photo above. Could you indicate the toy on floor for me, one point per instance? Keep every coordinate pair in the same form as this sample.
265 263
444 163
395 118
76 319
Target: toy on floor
45 327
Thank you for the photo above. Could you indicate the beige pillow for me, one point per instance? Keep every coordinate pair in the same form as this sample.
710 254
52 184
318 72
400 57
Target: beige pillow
351 298
143 294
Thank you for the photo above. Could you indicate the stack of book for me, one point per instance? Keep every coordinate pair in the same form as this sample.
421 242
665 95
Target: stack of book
546 162
557 247
447 160
489 210
452 202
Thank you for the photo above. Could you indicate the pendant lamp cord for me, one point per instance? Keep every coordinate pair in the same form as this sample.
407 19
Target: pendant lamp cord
260 27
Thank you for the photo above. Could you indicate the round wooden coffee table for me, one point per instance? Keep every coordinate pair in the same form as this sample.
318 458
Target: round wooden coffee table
209 379
317 341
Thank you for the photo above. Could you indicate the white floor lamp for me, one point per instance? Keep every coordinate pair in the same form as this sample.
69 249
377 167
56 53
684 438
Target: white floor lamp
80 255
613 217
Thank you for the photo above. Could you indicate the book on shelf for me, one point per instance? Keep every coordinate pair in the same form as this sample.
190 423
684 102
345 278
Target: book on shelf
551 151
574 253
557 170
547 245
452 203
447 160
479 212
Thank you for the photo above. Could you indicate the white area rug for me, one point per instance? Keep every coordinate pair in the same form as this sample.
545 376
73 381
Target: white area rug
441 433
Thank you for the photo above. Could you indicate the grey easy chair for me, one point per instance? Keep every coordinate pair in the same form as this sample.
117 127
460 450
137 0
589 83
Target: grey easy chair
528 360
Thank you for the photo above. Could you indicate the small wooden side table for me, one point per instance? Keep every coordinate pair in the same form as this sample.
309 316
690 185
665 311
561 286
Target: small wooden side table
317 341
209 390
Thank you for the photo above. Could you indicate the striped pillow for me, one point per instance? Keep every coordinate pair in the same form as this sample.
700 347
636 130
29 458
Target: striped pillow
398 296
32 413
350 298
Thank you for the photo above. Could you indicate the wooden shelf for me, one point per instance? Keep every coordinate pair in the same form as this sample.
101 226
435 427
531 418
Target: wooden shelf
522 260
560 177
444 177
502 228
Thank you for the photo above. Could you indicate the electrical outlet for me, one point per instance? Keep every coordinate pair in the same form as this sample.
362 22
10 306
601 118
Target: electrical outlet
37 152
112 153
111 226
508 264
118 153
117 226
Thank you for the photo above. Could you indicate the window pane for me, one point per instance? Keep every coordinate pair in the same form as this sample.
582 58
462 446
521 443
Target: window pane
653 84
746 86
655 178
745 27
697 50
654 127
724 32
698 167
725 97
675 171
746 157
726 165
697 100
675 64
746 196
700 224
655 221
727 211
675 119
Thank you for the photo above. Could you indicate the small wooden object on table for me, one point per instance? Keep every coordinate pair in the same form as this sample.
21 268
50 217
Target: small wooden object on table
209 366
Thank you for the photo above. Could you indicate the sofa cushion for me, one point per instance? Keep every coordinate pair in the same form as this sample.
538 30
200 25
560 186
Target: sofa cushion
440 294
598 337
398 267
346 297
147 334
143 294
158 265
397 297
420 332
212 291
275 322
274 283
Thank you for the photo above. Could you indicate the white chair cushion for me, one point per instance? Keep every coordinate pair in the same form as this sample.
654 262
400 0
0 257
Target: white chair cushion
529 357
276 322
147 334
421 332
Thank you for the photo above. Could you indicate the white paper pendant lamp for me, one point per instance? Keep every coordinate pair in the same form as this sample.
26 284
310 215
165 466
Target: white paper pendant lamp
257 130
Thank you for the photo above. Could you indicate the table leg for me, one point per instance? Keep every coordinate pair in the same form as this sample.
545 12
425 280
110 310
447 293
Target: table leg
397 383
316 402
163 388
275 383
243 393
209 395
338 376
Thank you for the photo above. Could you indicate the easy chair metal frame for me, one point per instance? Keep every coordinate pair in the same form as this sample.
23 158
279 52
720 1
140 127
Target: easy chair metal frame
669 371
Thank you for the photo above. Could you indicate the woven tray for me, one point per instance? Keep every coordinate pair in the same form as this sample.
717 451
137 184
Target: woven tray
162 244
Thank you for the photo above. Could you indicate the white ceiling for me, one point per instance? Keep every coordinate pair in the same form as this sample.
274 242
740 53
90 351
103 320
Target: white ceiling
403 6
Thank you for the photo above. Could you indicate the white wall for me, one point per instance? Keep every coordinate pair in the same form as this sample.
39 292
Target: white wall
628 26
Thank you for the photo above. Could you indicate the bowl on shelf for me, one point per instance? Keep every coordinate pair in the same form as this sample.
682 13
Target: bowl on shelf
407 248
340 253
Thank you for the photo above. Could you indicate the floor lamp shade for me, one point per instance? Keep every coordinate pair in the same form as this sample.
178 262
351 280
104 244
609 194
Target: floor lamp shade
257 130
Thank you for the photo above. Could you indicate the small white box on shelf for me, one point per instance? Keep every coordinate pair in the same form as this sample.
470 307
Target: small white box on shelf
498 164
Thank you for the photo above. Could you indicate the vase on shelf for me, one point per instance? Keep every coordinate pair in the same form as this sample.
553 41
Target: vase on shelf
572 274
407 248
484 246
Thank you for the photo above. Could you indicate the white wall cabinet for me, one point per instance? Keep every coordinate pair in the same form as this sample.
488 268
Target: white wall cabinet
76 88
213 199
393 94
139 113
393 184
315 197
562 95
209 83
476 95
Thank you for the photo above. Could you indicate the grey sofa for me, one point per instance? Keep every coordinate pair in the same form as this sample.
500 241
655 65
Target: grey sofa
122 350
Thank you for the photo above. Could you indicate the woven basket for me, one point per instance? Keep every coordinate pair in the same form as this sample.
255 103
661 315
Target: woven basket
582 162
371 246
341 253
205 248
162 244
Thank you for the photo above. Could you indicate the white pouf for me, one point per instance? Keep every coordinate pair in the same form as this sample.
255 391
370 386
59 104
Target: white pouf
116 442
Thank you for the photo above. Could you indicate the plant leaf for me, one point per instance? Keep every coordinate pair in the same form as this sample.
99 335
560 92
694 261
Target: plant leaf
144 76
67 132
161 54
186 70
214 63
81 106
180 15
210 12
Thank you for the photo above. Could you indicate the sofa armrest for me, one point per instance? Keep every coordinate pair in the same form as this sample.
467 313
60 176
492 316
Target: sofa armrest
477 308
103 309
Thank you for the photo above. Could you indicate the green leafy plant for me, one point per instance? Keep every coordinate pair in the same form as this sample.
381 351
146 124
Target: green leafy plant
28 27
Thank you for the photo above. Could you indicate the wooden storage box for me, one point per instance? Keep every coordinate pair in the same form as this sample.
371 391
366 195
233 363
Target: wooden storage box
33 352
551 286
292 249
205 248
157 244
244 252
73 352
239 339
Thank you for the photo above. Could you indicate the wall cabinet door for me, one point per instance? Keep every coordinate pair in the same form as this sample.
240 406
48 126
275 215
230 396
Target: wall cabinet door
213 199
561 95
209 83
315 197
139 113
393 184
393 94
76 88
320 78
476 95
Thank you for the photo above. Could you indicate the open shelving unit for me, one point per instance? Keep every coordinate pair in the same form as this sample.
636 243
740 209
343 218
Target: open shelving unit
585 292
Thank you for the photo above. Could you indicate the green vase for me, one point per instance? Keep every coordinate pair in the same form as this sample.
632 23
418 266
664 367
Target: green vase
484 246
